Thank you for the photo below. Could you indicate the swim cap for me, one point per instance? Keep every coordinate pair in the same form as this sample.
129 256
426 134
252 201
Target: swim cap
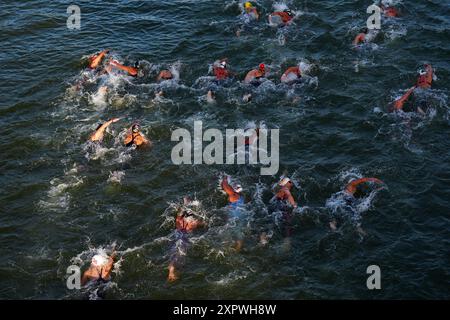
422 72
195 203
284 182
247 5
262 66
288 11
99 260
135 127
238 188
223 64
136 64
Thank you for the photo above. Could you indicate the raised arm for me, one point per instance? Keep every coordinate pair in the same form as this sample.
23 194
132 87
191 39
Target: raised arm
352 186
98 134
130 70
398 104
226 187
95 60
106 272
291 200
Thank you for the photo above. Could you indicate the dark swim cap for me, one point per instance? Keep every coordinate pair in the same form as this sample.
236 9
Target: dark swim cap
135 127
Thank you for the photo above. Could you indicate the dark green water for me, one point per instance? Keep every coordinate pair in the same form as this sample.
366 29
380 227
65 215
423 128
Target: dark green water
60 202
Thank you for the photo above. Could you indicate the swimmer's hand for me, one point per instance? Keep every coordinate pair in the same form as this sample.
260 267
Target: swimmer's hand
114 120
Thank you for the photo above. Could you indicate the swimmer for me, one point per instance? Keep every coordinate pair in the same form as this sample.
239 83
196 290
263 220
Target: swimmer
255 74
131 71
99 270
220 69
96 59
249 14
352 187
389 11
251 11
185 223
135 137
350 190
425 77
284 194
291 75
236 200
424 81
281 18
361 37
285 202
100 131
164 75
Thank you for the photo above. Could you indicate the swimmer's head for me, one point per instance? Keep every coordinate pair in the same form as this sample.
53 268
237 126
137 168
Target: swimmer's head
262 67
135 128
98 260
289 12
195 203
136 64
237 188
284 182
223 64
248 5
422 72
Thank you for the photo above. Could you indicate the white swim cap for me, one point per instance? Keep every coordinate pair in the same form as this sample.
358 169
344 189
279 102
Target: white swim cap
99 260
238 188
284 182
195 203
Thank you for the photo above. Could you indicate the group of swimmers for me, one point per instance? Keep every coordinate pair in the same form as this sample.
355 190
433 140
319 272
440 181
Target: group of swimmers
186 222
282 201
426 74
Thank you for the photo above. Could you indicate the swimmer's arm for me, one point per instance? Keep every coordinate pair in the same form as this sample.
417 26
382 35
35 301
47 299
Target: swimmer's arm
375 180
351 187
284 194
129 70
128 139
98 135
291 200
398 104
226 187
95 60
140 140
86 277
106 272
